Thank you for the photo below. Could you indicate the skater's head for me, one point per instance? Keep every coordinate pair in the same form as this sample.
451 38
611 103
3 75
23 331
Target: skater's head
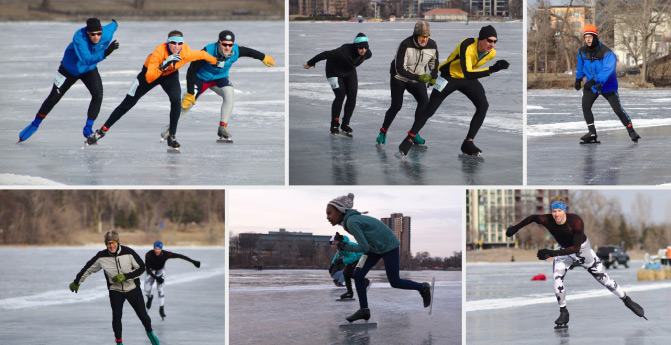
94 30
158 247
175 41
422 33
112 241
487 39
361 43
558 207
336 208
590 35
226 41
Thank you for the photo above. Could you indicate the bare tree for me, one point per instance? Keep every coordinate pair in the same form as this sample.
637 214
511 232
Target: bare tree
641 211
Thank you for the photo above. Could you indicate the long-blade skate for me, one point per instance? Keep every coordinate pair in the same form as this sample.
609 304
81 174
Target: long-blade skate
562 321
173 145
93 138
470 151
347 130
381 139
633 135
418 142
589 138
637 309
404 147
224 135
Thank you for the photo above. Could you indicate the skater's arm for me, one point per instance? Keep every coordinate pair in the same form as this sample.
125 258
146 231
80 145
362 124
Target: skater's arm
579 74
400 62
191 55
252 53
80 43
354 227
467 55
609 64
512 230
137 263
92 266
325 55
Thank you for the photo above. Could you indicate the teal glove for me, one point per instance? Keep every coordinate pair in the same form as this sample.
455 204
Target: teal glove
119 278
425 78
74 287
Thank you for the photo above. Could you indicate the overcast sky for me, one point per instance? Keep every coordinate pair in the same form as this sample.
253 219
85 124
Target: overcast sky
660 205
436 214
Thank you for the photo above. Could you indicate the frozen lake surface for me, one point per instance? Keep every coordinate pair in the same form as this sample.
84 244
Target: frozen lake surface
37 307
131 154
317 158
504 305
300 307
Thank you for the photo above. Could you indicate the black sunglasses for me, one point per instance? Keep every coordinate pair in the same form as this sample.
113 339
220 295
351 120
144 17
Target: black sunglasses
492 41
177 43
226 44
99 33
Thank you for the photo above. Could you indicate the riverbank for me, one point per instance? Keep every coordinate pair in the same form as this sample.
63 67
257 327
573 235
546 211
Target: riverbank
521 255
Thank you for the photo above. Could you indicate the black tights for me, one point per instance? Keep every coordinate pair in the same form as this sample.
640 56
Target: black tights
613 98
91 80
135 299
417 90
347 87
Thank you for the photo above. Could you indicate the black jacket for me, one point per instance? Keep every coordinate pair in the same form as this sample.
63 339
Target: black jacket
341 62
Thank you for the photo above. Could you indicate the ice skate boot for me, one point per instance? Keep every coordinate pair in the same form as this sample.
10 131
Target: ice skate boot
93 138
589 138
152 338
347 295
347 130
637 309
633 135
161 312
118 341
562 320
165 134
334 128
381 138
88 128
173 145
363 313
469 150
418 141
31 128
404 147
425 292
149 299
224 135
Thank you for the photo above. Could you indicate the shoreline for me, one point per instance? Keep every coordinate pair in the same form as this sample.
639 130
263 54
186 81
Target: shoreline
521 255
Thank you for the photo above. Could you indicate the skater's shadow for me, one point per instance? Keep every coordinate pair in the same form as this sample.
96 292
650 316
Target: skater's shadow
563 336
343 169
606 173
412 166
353 337
470 169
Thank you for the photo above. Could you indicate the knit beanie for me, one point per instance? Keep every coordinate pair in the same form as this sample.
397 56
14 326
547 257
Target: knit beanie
93 25
112 235
486 32
361 40
343 203
226 35
422 28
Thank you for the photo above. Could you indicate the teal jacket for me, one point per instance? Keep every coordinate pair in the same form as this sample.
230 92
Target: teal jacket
347 257
371 234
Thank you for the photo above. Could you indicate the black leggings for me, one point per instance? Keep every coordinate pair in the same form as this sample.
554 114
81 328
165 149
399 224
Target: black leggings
91 80
469 87
613 98
169 83
347 87
348 273
417 90
135 299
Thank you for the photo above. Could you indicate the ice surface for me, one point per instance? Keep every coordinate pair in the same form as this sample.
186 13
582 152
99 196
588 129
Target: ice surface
504 305
299 307
317 158
131 154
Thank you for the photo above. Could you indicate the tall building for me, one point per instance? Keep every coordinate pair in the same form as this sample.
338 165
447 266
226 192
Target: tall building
489 212
564 20
400 225
489 7
320 7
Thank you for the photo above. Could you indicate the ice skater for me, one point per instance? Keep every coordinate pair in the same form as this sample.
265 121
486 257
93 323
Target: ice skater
155 261
90 45
460 72
568 230
377 241
408 72
202 76
350 260
341 64
123 268
597 63
160 68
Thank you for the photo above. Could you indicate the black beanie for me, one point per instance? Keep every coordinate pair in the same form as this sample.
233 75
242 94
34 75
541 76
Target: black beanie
226 35
93 25
487 31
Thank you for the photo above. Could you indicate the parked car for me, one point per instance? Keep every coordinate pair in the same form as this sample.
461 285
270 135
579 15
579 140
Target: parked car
613 256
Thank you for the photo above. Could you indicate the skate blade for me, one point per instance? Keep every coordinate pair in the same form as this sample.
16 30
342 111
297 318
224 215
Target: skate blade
348 134
346 299
420 146
561 327
471 157
433 284
589 142
225 140
354 326
86 144
172 150
379 145
400 155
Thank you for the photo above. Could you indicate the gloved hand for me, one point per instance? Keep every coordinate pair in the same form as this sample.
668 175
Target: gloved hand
510 231
578 84
331 268
269 61
221 64
340 245
74 287
432 82
160 279
188 101
545 253
170 60
425 78
589 84
339 261
196 263
114 20
119 278
88 129
499 65
338 237
112 47
598 88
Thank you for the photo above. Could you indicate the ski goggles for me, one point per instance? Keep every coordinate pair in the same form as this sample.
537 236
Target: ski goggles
424 37
558 205
112 243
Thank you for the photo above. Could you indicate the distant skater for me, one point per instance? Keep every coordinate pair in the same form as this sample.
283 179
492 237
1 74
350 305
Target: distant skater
350 260
597 63
377 241
341 64
568 230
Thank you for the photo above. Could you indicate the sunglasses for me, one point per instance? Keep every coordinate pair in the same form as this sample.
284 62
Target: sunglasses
492 41
99 33
226 44
177 43
111 243
424 37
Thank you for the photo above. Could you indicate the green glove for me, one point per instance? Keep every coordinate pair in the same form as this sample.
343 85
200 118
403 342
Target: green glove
74 287
432 82
425 78
119 278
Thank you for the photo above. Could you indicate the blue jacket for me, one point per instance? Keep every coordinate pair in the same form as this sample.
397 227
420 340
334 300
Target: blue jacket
347 257
82 55
209 72
598 65
371 234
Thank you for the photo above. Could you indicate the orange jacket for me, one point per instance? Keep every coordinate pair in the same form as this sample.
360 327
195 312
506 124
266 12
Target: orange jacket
161 53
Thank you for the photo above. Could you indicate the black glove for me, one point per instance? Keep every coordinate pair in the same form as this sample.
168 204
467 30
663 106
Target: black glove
339 261
589 84
112 47
196 263
598 88
159 280
331 268
545 253
499 65
338 237
510 231
578 84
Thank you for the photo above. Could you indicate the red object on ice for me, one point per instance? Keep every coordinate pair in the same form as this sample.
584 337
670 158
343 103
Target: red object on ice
539 277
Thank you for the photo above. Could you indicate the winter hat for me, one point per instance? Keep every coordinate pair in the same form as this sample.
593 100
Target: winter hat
486 32
111 235
343 203
422 28
93 25
590 29
361 40
158 244
226 35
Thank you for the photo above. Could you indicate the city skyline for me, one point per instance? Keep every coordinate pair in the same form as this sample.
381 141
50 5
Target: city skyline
436 216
